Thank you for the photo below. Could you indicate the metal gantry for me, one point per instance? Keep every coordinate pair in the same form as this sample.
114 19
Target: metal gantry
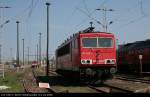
105 24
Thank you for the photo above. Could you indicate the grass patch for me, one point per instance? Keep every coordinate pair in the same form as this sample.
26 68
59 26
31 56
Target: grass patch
12 80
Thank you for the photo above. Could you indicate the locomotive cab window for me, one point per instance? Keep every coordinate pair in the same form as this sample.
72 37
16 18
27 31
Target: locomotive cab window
105 42
89 42
97 42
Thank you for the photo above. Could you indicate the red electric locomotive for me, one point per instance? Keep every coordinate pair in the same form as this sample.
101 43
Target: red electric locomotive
87 54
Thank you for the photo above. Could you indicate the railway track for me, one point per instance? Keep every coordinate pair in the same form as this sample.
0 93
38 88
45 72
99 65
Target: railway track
129 85
67 87
48 90
114 89
100 89
134 79
30 83
105 88
61 85
86 88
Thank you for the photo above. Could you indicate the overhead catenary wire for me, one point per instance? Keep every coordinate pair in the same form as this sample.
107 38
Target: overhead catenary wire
32 6
103 3
88 14
137 18
86 8
79 25
28 11
68 19
20 14
141 7
133 8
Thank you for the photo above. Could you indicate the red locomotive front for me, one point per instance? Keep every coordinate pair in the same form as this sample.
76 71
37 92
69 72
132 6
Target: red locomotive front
87 54
97 50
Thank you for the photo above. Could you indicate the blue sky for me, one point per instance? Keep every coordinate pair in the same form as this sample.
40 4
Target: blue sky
130 21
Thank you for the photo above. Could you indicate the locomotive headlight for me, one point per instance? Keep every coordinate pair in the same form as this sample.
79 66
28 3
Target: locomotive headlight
83 61
87 61
113 61
109 61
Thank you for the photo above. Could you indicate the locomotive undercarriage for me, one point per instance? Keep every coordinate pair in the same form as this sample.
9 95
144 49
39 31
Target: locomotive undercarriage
88 75
94 75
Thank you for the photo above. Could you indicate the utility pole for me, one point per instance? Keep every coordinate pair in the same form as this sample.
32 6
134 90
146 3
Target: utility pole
11 58
1 26
28 55
2 7
40 48
47 57
37 53
105 24
0 53
23 51
17 43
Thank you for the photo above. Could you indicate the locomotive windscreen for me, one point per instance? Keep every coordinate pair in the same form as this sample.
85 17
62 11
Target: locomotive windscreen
89 42
97 42
105 42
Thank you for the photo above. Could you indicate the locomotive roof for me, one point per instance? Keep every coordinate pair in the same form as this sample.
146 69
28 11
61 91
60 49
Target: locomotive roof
97 32
91 30
76 35
86 31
